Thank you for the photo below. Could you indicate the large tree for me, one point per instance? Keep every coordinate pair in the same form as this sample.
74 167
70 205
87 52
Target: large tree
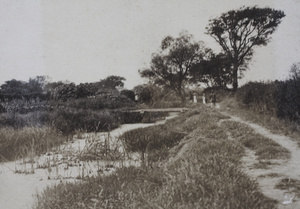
170 67
214 72
238 31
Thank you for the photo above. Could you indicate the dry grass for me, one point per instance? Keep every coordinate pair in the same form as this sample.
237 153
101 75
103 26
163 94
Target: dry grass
19 143
265 148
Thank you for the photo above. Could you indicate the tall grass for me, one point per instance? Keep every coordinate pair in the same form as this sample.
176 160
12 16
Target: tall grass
204 173
208 177
17 143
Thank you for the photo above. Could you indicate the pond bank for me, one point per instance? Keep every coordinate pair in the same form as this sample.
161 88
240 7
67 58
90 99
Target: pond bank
17 189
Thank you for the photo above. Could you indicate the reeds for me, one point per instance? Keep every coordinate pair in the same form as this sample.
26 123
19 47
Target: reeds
20 143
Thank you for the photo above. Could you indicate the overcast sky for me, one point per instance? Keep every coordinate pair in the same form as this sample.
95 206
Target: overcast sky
85 41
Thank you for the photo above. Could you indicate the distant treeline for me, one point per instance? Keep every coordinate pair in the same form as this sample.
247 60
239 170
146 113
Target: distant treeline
278 98
39 94
40 88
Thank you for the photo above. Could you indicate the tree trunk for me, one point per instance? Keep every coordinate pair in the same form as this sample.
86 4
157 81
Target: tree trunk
235 76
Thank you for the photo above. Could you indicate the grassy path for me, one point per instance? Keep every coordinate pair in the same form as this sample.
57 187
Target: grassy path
279 179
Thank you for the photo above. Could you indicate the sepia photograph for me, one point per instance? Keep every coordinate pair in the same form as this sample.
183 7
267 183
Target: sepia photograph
163 104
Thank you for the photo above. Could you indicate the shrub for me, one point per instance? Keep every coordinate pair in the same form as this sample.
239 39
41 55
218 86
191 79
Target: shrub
97 103
288 100
259 96
151 138
279 98
68 120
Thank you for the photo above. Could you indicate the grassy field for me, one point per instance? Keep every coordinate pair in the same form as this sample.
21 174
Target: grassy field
200 170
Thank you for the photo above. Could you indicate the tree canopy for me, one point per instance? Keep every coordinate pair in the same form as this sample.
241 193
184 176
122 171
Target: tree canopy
112 82
215 71
18 89
238 31
171 66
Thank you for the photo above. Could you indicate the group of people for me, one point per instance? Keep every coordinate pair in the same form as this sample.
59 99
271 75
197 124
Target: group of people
212 98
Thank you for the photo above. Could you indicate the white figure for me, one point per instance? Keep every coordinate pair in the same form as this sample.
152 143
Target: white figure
203 98
195 98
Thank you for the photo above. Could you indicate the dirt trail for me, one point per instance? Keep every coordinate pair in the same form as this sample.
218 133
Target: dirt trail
268 178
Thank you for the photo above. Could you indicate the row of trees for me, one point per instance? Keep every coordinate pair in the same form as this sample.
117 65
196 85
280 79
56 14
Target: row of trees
41 88
182 61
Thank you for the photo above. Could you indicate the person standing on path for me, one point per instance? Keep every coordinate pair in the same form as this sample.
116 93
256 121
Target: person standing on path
195 97
203 98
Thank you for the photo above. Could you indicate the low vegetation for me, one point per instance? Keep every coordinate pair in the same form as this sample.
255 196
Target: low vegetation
154 141
200 171
231 104
265 148
19 143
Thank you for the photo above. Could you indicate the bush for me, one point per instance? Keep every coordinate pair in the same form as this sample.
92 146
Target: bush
259 96
68 120
151 138
288 100
280 99
97 103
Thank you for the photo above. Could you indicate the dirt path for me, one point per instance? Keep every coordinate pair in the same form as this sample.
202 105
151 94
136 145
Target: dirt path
268 178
